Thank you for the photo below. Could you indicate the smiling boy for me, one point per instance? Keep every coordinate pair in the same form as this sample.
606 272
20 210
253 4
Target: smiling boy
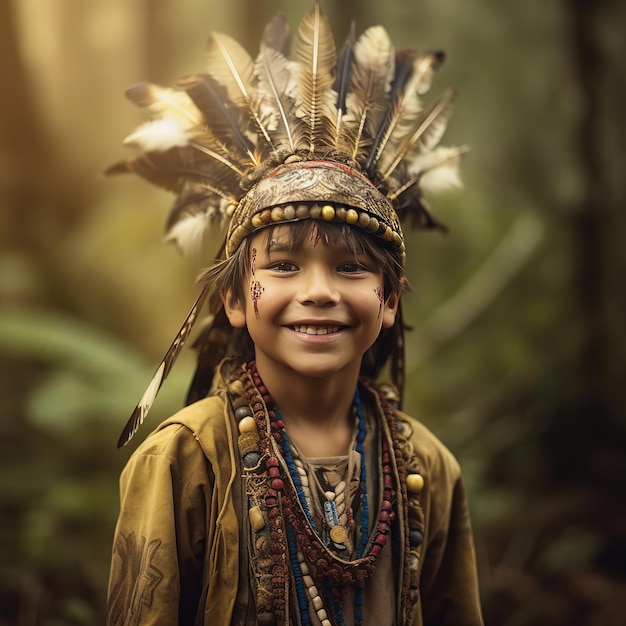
294 490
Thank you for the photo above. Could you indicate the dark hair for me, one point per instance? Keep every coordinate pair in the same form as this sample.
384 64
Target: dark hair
231 276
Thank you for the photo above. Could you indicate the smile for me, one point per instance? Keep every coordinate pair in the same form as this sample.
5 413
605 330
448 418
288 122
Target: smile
316 330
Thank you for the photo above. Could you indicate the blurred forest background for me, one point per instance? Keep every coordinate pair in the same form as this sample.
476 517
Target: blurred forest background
517 355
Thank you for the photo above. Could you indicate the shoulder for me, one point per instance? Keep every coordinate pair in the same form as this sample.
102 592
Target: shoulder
433 456
199 427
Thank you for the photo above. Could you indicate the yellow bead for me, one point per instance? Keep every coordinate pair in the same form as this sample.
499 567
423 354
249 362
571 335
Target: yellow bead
247 425
257 521
328 213
352 217
414 483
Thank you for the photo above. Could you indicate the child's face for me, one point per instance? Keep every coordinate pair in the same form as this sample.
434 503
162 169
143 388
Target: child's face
314 310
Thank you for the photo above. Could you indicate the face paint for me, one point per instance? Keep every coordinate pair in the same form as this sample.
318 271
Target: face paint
315 235
256 289
253 262
380 292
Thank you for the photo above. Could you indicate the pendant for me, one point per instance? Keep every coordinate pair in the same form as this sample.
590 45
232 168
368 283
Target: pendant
337 533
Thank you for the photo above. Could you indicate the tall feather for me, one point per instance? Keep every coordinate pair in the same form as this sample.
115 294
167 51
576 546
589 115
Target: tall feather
371 77
403 107
141 410
220 115
315 101
428 131
231 66
343 78
272 69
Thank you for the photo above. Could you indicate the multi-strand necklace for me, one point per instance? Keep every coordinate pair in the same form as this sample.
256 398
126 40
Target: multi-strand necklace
286 534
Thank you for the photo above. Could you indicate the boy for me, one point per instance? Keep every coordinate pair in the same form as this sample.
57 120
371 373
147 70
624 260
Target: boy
292 490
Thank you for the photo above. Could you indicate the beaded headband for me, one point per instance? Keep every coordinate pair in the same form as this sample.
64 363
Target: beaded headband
338 136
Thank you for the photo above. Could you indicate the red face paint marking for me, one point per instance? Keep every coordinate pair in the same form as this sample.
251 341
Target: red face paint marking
256 289
315 235
380 292
253 262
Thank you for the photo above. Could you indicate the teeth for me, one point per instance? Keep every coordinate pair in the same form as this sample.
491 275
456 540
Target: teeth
316 330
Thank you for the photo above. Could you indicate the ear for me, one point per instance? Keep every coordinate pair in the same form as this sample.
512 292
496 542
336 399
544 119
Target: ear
235 310
390 310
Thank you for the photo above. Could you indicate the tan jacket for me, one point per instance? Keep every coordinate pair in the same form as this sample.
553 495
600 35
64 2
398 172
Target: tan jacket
180 556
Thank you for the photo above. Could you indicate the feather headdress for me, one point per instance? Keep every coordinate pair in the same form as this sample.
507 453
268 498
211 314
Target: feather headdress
271 139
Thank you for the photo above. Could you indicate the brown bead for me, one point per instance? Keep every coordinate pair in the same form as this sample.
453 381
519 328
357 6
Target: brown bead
265 618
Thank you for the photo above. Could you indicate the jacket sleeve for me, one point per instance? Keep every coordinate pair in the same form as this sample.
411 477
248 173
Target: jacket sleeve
156 567
449 593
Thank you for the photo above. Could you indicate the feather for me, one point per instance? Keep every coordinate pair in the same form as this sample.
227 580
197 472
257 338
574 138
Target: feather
429 161
191 232
159 135
143 407
429 129
343 78
277 35
272 70
425 67
232 67
371 77
404 107
174 169
219 114
315 100
163 102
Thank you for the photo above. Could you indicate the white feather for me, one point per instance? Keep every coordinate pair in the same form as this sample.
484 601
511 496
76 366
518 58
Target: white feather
439 169
160 135
192 233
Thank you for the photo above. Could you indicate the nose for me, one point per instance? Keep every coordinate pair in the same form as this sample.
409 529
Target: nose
318 287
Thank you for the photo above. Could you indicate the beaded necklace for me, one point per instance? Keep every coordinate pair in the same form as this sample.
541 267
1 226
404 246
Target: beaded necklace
285 537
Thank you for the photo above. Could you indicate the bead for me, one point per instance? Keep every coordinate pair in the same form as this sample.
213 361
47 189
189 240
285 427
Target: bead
364 220
415 561
266 216
277 484
289 212
326 622
315 211
328 212
274 472
388 234
415 538
373 225
352 217
251 459
243 411
277 214
265 618
318 603
322 615
302 211
308 581
381 540
415 483
247 425
257 521
272 462
329 495
256 220
340 213
414 596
